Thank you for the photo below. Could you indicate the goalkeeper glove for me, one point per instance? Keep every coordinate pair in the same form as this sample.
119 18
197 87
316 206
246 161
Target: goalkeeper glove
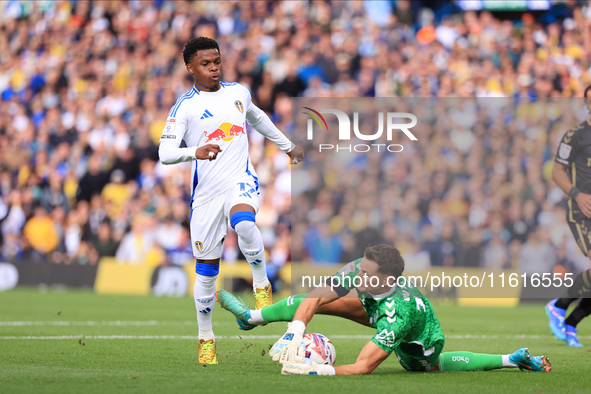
305 366
291 344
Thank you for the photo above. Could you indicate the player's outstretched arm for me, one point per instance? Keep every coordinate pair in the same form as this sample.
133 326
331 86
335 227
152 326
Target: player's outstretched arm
370 357
296 155
259 120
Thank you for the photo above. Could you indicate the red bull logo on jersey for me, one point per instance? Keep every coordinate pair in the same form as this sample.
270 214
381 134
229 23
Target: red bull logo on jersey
226 132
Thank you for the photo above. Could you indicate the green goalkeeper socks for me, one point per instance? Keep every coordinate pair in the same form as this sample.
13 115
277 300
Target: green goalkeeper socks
283 310
468 361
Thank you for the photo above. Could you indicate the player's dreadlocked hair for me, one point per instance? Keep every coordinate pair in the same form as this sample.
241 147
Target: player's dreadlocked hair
198 44
587 90
388 258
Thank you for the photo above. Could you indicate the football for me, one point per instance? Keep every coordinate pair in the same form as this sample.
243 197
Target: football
320 349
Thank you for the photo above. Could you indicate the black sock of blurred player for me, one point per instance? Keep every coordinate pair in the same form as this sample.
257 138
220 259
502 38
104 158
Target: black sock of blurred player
580 312
581 288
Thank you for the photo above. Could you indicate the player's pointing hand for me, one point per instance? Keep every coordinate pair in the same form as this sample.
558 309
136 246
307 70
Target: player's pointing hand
296 155
207 152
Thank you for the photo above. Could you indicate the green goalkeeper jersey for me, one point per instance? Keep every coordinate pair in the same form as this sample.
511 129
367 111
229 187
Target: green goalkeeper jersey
403 318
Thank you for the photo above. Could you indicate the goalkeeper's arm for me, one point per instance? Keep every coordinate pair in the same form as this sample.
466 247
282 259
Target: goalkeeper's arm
315 299
370 357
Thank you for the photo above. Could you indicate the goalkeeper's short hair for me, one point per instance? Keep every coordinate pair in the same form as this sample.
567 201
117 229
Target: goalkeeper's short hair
388 258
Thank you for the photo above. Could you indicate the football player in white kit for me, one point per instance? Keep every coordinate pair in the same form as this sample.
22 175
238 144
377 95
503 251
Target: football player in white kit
210 118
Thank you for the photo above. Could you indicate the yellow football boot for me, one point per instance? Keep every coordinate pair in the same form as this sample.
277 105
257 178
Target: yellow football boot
263 297
207 352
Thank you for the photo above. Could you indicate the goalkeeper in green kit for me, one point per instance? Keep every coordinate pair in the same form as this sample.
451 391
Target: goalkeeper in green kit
403 318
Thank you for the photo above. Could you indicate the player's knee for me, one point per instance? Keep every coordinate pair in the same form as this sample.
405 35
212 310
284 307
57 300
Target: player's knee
206 270
245 229
242 222
247 232
244 225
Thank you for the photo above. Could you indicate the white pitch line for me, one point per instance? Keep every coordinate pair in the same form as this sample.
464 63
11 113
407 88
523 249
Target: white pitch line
105 323
195 337
81 323
192 337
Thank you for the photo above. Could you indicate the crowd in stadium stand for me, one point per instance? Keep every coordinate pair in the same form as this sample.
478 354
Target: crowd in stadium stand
475 190
86 88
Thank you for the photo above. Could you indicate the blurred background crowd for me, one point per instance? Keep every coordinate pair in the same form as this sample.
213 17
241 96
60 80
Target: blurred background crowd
86 87
475 190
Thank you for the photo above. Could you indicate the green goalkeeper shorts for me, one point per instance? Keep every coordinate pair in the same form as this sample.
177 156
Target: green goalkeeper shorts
414 357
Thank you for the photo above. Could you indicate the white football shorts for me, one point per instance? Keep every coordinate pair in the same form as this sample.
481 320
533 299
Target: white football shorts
209 221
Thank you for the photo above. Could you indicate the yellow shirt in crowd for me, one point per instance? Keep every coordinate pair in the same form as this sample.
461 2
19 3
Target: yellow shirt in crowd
41 234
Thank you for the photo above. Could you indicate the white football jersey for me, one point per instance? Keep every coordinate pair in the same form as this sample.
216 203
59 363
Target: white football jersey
199 118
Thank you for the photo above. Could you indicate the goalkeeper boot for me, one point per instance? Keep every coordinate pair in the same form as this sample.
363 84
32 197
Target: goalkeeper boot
207 352
236 307
571 337
526 362
556 317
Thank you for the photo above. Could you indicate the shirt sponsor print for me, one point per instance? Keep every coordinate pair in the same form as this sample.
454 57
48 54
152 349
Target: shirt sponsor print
226 132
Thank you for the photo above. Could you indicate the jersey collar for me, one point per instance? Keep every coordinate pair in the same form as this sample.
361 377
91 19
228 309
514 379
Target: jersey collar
197 90
383 295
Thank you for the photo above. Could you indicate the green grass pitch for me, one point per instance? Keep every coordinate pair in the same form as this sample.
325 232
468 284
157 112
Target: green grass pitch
112 344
